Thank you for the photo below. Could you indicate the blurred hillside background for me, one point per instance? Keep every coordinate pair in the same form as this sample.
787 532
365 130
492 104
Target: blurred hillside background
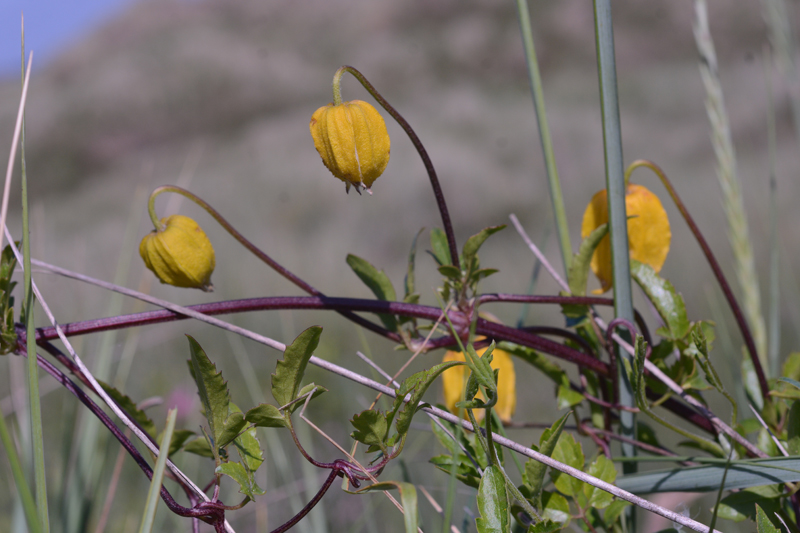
217 94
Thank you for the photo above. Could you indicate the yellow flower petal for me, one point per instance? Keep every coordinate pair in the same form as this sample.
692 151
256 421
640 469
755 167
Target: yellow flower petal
649 234
352 140
455 379
180 254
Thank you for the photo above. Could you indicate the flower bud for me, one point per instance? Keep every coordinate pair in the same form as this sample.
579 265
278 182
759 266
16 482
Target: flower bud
455 379
179 254
353 142
649 234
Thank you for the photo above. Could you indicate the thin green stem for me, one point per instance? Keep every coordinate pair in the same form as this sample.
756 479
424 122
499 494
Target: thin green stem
615 185
423 154
556 198
744 328
37 438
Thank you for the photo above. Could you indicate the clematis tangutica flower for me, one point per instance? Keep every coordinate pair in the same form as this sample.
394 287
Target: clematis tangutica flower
649 233
179 253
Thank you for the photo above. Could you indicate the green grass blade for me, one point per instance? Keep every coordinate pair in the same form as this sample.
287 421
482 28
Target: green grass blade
556 198
615 184
23 490
774 302
707 478
33 368
154 493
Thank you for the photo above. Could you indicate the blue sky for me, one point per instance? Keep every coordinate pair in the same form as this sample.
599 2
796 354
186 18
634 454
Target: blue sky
50 25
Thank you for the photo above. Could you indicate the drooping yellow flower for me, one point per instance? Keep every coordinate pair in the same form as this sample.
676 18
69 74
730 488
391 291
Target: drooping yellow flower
180 254
649 234
353 142
455 379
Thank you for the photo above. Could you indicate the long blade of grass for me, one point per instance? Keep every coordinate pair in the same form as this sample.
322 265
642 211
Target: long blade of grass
158 475
774 302
23 490
37 436
556 198
618 220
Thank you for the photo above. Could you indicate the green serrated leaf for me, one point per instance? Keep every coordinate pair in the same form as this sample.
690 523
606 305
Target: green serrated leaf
534 470
245 479
493 503
578 275
415 385
601 468
212 388
265 416
199 446
569 452
741 506
371 429
666 300
763 523
439 247
249 449
378 282
408 498
129 406
545 526
556 508
474 243
289 370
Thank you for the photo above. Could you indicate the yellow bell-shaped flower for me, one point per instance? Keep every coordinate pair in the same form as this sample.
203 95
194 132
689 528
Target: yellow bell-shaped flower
455 379
649 234
353 142
179 254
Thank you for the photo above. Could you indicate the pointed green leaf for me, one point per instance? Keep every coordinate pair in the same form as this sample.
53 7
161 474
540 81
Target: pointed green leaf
212 388
763 523
234 425
249 449
412 254
791 367
667 301
540 362
569 452
451 272
408 498
790 381
247 484
566 397
741 505
306 390
439 247
179 438
378 282
466 472
289 370
493 503
601 468
415 385
556 508
265 416
199 446
129 406
613 511
474 243
534 470
579 268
